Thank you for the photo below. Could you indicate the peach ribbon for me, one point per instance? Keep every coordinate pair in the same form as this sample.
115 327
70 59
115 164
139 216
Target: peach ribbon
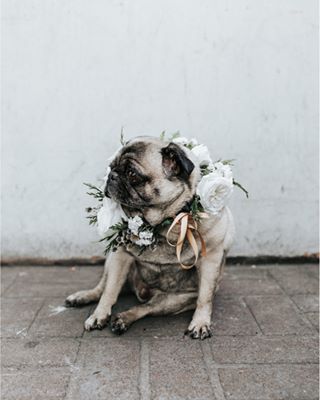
188 226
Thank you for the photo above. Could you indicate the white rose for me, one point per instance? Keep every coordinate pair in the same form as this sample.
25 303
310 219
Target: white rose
134 224
145 238
109 214
185 141
223 170
181 140
214 192
202 155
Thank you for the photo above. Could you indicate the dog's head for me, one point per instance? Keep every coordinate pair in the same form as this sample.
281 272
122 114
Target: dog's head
151 177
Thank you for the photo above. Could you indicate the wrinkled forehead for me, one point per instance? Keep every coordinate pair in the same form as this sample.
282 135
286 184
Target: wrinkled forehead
144 150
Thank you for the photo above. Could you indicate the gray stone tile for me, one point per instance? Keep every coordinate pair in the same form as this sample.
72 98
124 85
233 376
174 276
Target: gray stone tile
232 317
21 353
17 316
263 349
68 323
23 289
39 384
177 370
297 279
277 315
313 317
106 369
281 382
59 274
244 281
307 302
8 275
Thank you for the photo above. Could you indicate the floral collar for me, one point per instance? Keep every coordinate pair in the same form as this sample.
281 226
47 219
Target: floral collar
213 191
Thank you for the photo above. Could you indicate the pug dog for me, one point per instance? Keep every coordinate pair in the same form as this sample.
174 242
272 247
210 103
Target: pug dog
156 180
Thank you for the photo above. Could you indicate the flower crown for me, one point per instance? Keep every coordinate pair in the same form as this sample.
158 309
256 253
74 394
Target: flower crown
212 194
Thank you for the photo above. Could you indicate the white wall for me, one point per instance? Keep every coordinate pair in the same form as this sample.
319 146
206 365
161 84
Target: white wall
239 75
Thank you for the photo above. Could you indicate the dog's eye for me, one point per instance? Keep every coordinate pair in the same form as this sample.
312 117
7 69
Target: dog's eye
134 178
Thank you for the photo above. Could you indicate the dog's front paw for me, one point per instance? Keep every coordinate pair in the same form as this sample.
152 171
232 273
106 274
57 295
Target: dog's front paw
77 299
199 330
119 325
96 322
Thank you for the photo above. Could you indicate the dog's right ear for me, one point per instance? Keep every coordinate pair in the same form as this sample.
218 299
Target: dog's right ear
175 162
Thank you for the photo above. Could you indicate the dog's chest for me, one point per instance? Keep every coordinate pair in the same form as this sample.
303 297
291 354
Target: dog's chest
167 277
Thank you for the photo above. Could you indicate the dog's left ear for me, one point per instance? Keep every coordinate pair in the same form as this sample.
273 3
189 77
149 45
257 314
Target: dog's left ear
175 162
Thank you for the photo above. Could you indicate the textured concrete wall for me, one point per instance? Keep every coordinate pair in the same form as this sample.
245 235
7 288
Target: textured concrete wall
239 75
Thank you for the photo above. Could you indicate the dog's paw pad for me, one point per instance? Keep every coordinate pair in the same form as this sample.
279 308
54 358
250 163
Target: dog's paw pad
118 326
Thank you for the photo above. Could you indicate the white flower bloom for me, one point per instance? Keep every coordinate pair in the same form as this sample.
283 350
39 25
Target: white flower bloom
185 141
145 238
181 140
193 142
223 170
214 192
202 155
109 214
134 224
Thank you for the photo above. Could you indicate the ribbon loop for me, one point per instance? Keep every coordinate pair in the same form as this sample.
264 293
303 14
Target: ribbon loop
188 226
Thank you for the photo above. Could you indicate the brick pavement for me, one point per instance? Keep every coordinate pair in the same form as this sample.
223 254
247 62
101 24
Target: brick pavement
265 343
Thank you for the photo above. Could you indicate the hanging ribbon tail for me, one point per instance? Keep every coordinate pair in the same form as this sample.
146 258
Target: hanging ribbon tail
187 226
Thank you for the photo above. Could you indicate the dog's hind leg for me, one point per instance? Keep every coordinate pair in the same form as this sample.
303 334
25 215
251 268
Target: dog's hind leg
160 304
84 297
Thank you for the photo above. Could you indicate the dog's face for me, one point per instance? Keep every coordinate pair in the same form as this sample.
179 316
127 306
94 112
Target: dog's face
153 177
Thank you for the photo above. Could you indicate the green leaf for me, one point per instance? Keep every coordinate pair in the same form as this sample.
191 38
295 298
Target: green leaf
175 135
122 141
163 135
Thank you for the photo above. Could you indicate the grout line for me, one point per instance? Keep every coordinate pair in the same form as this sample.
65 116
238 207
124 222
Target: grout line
10 285
72 369
212 370
36 314
252 314
144 378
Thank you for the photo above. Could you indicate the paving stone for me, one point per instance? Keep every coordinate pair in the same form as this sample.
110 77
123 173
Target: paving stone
8 275
232 317
39 384
277 315
248 282
17 315
313 317
307 302
177 370
21 353
22 289
106 369
297 279
262 349
281 382
52 323
57 274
